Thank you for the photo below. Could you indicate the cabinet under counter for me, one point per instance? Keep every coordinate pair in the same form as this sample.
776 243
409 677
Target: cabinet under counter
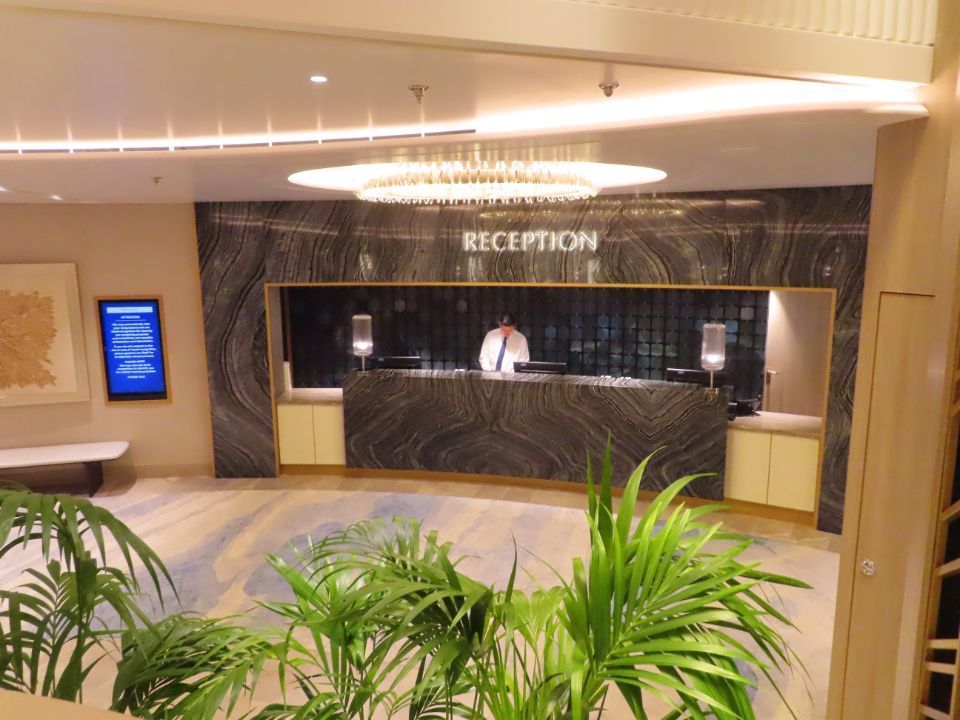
774 459
310 427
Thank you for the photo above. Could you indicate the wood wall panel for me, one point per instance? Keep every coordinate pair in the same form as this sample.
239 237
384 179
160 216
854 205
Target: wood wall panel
900 467
914 246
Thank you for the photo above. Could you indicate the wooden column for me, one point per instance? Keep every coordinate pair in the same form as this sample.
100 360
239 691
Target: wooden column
903 397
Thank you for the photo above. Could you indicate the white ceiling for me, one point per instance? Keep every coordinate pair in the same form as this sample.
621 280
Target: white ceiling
758 37
902 21
794 151
71 78
96 77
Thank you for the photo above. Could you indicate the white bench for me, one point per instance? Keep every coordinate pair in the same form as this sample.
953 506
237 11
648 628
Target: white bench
90 455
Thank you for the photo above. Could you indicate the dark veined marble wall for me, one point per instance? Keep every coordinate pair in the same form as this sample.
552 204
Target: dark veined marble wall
806 237
536 426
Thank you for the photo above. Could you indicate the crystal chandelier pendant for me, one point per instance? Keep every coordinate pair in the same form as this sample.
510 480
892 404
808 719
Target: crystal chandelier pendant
478 182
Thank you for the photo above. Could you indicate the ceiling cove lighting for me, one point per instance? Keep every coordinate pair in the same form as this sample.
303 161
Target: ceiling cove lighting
724 102
464 182
231 142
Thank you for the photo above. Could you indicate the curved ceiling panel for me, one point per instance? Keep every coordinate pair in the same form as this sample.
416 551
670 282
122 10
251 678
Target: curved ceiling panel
904 21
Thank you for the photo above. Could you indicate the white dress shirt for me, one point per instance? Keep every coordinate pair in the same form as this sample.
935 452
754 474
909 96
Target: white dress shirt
517 350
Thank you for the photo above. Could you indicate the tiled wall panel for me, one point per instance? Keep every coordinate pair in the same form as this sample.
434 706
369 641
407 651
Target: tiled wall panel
621 332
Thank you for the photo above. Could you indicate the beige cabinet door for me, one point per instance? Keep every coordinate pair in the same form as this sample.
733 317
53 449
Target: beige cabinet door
328 434
748 465
295 434
793 472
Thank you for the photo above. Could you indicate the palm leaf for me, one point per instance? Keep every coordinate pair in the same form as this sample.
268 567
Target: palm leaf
63 524
187 666
54 628
657 611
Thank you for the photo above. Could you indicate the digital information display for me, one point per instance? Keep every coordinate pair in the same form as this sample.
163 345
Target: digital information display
131 331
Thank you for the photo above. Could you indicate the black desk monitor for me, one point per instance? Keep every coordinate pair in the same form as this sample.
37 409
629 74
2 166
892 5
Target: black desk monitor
400 362
696 377
546 368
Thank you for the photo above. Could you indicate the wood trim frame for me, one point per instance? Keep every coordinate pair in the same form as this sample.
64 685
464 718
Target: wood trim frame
270 373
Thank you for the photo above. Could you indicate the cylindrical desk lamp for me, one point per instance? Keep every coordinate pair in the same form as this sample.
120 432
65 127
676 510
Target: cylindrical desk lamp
713 351
362 338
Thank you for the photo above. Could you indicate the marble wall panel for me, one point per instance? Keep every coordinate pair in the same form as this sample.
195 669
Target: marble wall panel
803 237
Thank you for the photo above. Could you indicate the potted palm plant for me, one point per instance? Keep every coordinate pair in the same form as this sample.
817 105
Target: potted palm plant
381 622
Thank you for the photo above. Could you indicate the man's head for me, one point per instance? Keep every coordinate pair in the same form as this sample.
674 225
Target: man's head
507 323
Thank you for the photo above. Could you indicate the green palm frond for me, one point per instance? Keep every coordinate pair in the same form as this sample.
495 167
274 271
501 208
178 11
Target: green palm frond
659 609
52 630
381 622
524 675
321 706
383 603
65 526
406 584
63 619
187 666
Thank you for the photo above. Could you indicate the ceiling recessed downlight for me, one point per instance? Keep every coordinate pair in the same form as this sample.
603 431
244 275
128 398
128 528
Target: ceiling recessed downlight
319 79
476 182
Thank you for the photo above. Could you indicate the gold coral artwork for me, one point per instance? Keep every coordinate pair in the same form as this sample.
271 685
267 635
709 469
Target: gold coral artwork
42 357
27 331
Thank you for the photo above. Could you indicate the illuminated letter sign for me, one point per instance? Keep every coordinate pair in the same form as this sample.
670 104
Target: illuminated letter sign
535 241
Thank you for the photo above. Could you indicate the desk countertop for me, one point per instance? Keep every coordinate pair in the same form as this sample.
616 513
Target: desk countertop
605 381
315 396
780 423
312 396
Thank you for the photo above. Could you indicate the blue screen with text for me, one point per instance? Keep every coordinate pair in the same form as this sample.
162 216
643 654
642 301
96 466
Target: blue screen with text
133 347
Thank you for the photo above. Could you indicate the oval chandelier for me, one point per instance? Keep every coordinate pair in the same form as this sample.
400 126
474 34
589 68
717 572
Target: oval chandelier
467 181
478 182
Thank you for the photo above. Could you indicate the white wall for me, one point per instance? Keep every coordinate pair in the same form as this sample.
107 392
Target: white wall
798 348
121 250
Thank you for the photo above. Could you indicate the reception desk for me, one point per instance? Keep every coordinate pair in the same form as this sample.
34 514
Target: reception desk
534 426
773 459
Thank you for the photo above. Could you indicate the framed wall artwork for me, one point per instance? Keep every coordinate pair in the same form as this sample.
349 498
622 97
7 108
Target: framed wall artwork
42 356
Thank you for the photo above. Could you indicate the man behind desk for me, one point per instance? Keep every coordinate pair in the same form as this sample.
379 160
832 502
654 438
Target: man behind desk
504 346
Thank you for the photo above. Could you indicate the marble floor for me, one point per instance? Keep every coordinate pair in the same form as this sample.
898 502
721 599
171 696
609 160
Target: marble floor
213 535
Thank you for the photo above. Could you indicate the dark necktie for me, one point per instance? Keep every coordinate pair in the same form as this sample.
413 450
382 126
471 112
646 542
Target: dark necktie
503 349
